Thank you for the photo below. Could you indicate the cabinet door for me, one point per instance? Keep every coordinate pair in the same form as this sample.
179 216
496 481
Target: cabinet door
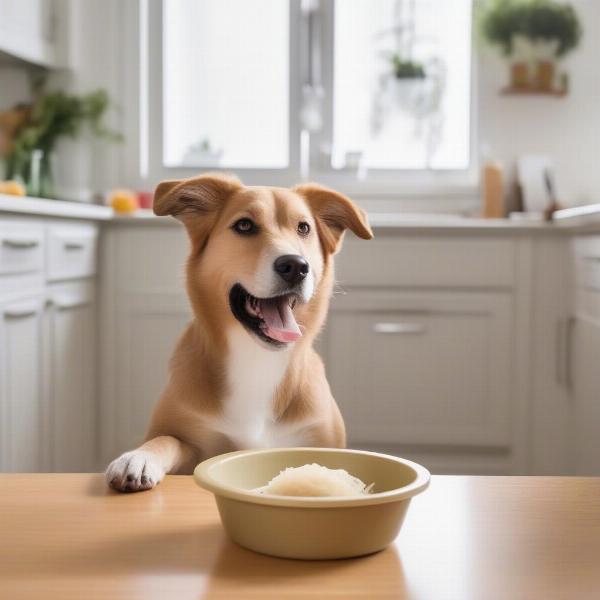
26 30
148 329
586 436
429 369
72 351
21 386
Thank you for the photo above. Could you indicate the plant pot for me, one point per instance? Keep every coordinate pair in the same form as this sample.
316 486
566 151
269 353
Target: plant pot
519 75
544 75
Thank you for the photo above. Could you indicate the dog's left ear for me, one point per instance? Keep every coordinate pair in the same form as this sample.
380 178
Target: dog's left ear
334 213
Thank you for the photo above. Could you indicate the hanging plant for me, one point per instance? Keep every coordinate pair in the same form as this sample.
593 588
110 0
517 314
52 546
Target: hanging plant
407 69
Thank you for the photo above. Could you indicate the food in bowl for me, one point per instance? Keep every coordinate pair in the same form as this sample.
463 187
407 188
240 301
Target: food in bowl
315 480
311 527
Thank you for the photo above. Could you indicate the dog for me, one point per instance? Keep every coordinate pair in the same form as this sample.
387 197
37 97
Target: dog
244 373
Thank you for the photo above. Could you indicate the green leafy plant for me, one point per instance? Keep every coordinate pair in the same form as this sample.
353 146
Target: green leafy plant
502 20
550 21
536 20
407 69
54 115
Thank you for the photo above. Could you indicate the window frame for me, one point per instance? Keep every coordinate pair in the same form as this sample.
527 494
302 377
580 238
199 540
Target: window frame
143 157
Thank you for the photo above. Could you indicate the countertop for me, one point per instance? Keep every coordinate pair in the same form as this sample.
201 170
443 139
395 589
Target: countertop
67 536
584 218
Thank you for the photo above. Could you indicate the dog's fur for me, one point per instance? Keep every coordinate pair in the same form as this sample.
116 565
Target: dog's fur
229 389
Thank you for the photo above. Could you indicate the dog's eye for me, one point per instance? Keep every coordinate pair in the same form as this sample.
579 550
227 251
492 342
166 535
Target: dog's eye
303 228
245 227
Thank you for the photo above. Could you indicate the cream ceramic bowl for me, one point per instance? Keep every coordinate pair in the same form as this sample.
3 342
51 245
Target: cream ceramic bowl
311 527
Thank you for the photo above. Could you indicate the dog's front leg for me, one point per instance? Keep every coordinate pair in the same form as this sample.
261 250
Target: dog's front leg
144 468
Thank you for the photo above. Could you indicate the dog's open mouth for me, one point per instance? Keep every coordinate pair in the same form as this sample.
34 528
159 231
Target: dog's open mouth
271 319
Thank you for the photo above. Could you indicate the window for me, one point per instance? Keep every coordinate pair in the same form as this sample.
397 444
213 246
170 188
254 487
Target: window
226 83
401 84
350 90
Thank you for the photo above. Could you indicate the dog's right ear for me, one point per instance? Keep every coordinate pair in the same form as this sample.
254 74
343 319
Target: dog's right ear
195 196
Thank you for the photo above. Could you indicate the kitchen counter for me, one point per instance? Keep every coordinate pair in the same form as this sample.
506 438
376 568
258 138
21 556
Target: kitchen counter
54 208
569 220
579 216
67 536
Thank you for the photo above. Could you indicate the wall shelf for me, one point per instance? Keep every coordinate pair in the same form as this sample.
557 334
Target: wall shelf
513 91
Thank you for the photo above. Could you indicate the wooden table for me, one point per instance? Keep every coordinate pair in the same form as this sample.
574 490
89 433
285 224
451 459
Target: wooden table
482 538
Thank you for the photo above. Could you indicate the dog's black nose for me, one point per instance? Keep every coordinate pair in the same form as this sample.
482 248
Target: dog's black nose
291 268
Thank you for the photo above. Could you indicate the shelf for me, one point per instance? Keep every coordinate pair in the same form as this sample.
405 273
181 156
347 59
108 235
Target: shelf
512 91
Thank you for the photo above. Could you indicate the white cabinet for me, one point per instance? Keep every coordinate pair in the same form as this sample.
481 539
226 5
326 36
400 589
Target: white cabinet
144 311
586 399
72 383
584 365
449 347
147 331
22 394
28 30
422 369
421 351
48 386
71 251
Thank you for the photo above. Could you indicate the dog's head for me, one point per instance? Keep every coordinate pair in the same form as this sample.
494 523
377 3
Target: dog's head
260 255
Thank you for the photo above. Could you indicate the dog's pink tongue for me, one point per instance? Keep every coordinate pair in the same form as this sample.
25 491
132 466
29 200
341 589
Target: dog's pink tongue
279 320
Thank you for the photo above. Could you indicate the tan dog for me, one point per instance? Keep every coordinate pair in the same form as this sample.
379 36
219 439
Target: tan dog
244 374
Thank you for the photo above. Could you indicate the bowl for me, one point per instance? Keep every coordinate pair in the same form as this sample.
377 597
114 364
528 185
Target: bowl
311 527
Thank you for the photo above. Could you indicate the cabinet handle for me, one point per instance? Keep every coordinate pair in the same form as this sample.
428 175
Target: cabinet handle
19 312
561 361
74 245
399 328
20 244
64 302
569 353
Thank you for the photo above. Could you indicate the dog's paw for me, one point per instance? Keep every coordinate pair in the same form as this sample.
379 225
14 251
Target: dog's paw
134 471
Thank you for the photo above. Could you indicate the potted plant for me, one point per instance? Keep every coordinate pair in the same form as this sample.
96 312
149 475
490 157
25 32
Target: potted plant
504 25
28 155
554 29
543 29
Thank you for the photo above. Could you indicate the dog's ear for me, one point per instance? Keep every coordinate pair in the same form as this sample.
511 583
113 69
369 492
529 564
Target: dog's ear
334 213
195 202
194 196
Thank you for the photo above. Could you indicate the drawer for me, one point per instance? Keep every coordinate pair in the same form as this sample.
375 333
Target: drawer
21 249
71 251
587 246
430 369
587 302
429 262
587 273
587 262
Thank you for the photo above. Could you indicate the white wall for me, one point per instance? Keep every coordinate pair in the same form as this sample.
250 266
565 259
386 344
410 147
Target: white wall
567 129
86 166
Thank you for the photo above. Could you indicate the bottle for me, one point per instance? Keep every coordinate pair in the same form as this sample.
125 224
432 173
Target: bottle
492 191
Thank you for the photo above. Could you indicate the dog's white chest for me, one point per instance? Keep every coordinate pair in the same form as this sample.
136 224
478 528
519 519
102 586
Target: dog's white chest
253 374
